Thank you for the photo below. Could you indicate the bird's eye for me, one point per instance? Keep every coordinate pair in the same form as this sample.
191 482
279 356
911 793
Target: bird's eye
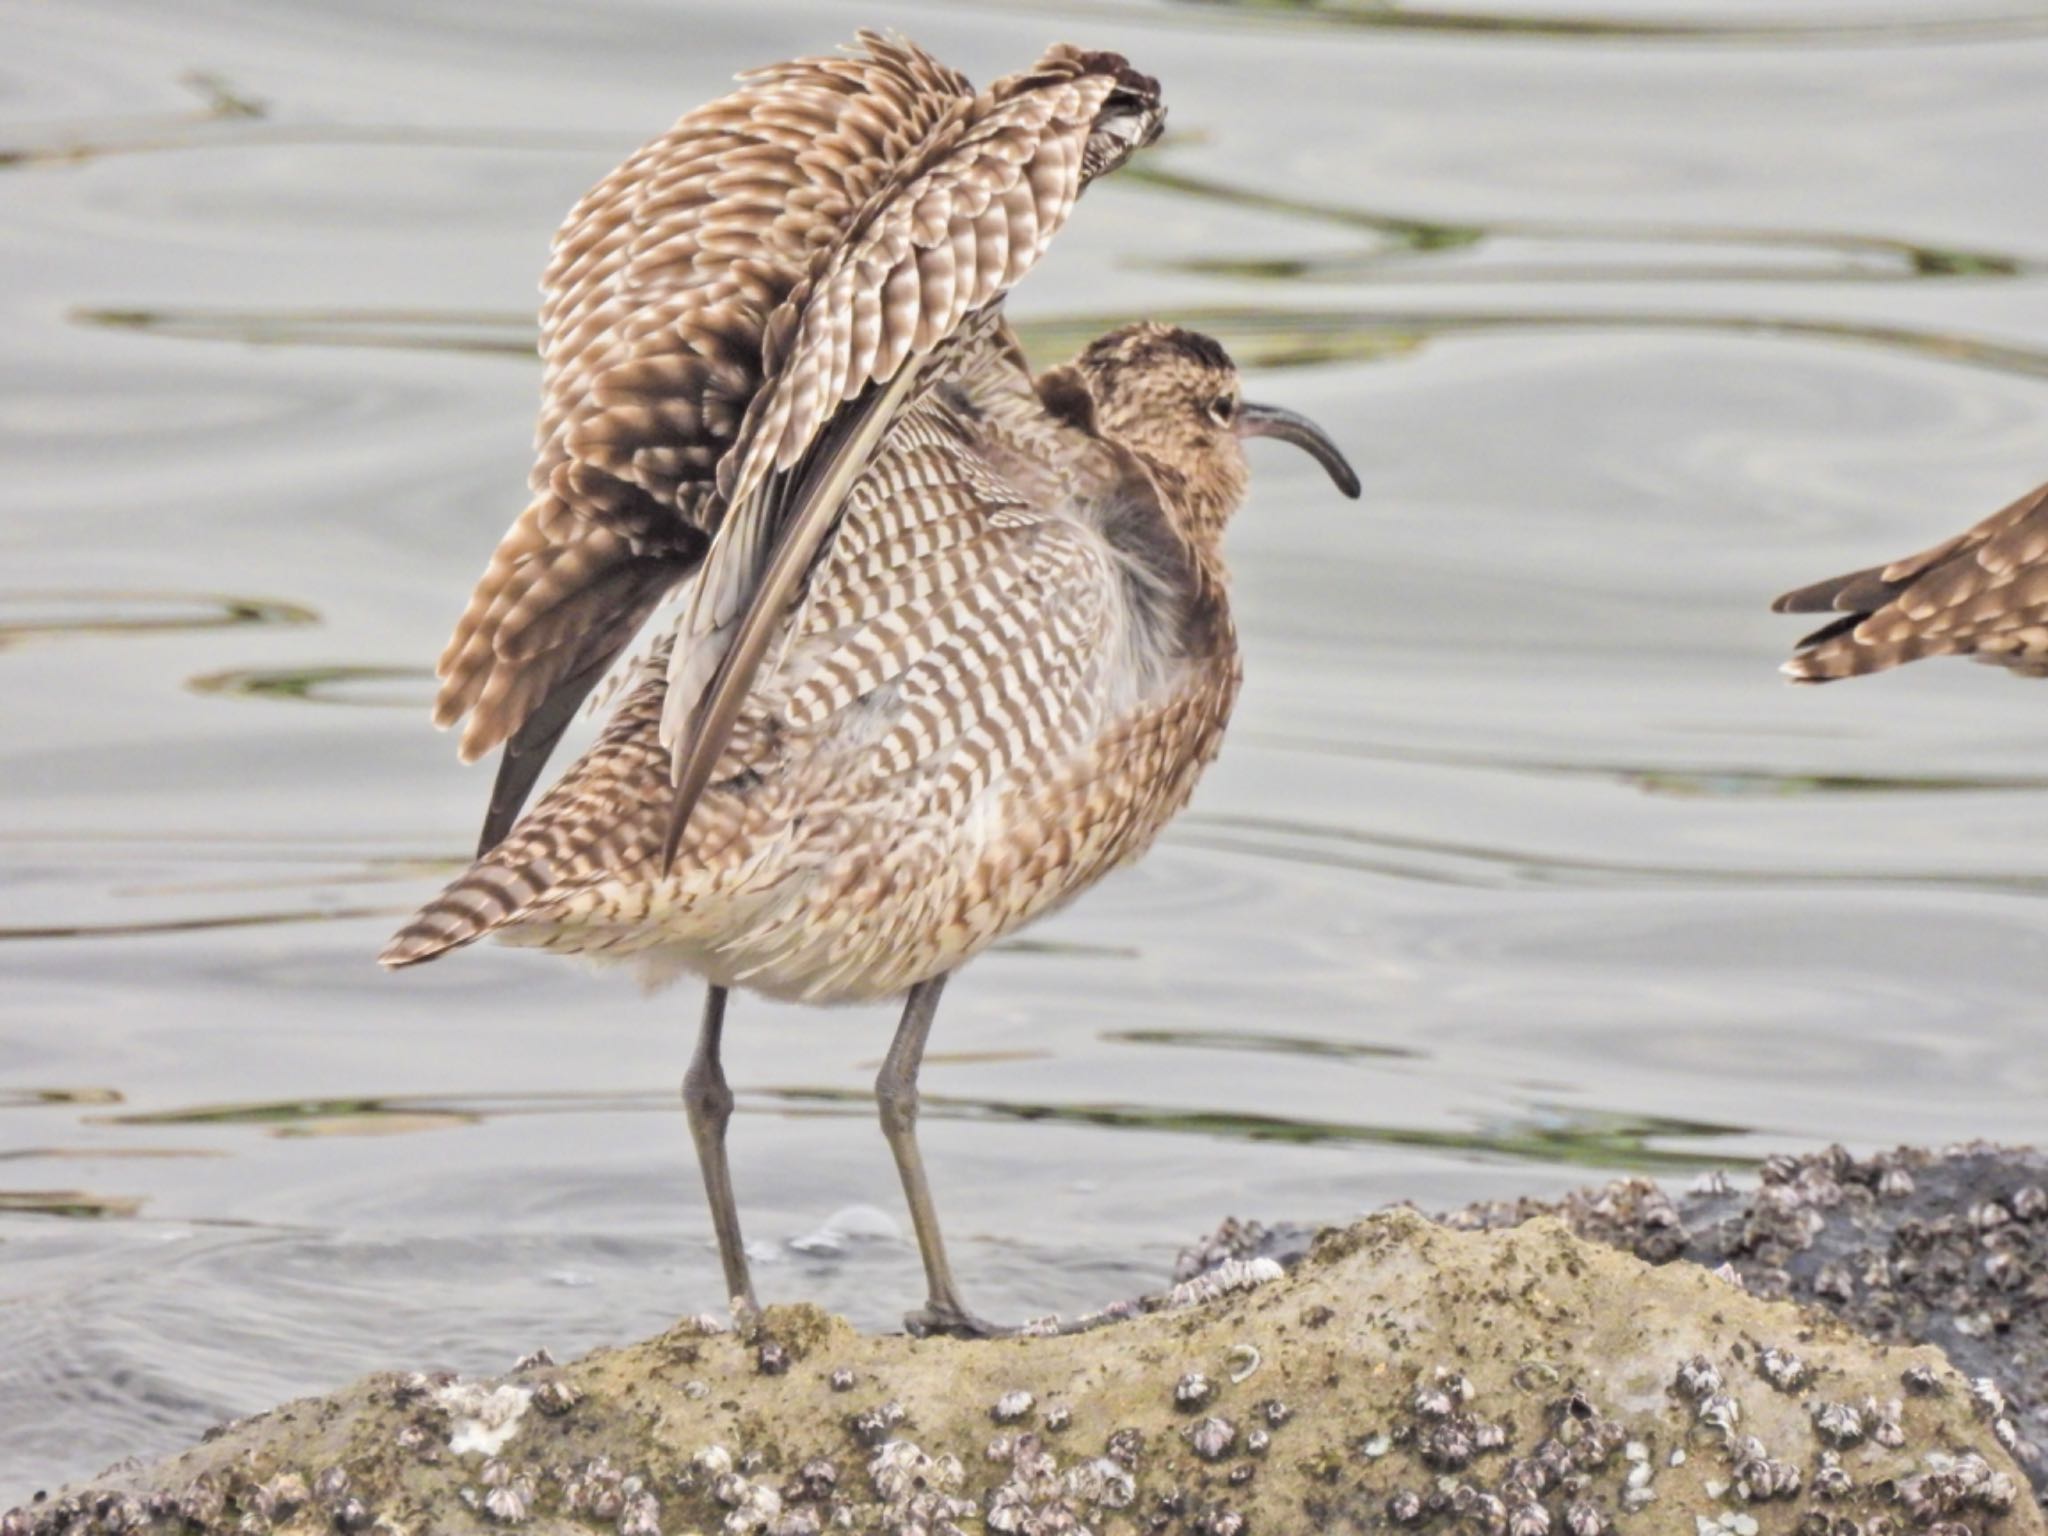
1222 409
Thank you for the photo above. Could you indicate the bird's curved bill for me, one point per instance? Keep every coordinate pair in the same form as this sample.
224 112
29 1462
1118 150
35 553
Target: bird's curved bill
1290 427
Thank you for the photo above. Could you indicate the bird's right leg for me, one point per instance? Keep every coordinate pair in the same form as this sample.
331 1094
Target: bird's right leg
896 1098
708 1101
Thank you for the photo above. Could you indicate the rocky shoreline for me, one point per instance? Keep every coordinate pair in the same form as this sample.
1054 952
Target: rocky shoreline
1945 1247
1851 1348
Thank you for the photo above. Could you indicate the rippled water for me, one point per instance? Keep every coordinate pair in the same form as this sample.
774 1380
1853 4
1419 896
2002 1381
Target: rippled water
1521 866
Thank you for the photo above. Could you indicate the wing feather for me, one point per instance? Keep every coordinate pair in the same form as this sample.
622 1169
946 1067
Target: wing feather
1982 593
1034 139
728 321
656 300
702 728
926 257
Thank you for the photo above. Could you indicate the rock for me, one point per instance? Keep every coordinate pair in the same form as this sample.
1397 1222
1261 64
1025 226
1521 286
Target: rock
1403 1376
1947 1248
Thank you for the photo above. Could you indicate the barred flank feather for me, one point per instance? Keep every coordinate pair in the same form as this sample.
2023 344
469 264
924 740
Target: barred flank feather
489 894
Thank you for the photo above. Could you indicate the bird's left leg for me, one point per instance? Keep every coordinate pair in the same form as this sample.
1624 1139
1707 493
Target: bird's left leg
708 1101
896 1097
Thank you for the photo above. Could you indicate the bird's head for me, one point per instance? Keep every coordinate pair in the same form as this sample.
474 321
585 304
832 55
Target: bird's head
1174 396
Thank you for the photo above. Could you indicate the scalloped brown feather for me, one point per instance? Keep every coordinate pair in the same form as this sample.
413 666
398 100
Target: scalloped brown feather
928 259
1983 594
655 302
675 305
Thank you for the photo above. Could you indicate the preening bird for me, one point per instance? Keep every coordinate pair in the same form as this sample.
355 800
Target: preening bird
946 642
1982 594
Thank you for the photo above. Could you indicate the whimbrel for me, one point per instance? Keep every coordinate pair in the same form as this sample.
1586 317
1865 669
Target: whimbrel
1982 594
949 641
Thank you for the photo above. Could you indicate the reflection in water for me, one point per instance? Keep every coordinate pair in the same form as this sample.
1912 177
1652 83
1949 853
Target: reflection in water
1265 337
282 1116
337 1117
71 144
341 683
25 1098
26 616
1442 862
1398 240
66 1202
1278 1045
266 136
406 329
1721 782
104 1154
35 931
1541 1134
1273 337
229 119
1938 23
1538 1133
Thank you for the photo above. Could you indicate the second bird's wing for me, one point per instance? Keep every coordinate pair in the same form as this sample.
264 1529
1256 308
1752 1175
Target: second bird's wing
1983 593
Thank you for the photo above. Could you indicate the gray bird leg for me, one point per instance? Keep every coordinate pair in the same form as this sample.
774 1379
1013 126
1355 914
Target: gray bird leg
708 1101
896 1098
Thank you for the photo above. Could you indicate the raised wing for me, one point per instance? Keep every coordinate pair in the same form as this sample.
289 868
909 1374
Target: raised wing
1983 593
912 296
656 302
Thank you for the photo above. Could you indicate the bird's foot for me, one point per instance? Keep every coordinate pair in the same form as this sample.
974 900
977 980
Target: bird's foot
937 1317
746 1316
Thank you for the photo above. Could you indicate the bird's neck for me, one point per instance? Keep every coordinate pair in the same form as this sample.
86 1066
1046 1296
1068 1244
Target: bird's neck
1169 536
1198 505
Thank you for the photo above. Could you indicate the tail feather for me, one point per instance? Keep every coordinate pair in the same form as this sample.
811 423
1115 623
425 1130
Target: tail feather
490 894
606 813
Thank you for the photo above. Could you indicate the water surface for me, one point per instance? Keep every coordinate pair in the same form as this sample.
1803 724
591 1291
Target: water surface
1521 867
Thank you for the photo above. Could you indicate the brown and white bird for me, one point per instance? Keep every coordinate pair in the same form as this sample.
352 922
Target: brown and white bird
1982 594
948 643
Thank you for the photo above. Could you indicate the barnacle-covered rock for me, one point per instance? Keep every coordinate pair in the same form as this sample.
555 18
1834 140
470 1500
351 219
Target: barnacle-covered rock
1946 1247
1410 1376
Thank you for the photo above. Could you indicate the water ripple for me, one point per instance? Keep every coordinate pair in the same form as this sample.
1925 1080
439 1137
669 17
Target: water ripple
72 143
1846 29
1538 1132
43 1098
1720 781
51 615
1830 256
229 118
1320 1047
347 683
1263 336
1441 861
73 1203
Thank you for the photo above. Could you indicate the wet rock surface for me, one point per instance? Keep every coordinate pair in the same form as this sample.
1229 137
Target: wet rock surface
1403 1376
1942 1247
